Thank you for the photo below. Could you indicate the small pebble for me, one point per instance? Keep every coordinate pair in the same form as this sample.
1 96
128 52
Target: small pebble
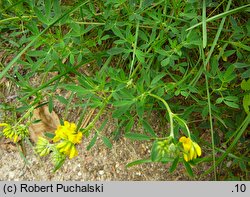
101 172
11 175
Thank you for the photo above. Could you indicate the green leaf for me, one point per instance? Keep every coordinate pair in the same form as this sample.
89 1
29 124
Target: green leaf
228 53
71 59
49 135
119 111
154 152
140 55
41 16
107 142
174 165
123 103
92 142
231 104
245 85
137 136
50 104
118 33
188 168
57 8
137 162
39 53
231 98
240 45
59 164
78 89
47 8
165 62
62 99
115 51
246 103
129 125
246 74
148 128
229 75
103 124
240 65
140 109
157 78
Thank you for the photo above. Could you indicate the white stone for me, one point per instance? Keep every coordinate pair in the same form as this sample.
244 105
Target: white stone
101 172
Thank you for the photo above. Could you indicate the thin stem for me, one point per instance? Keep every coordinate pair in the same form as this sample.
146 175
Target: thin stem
68 106
90 126
25 115
184 123
134 48
169 113
82 116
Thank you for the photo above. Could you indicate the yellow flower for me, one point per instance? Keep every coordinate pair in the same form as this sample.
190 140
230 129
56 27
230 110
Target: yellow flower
67 136
15 132
68 132
67 148
191 149
76 139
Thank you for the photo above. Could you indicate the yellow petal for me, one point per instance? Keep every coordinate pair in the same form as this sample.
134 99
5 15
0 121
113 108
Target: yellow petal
68 147
183 139
192 153
186 147
66 124
79 137
73 152
4 125
56 138
15 138
186 157
197 148
61 145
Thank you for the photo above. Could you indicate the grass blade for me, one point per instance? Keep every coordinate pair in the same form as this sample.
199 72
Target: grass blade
204 25
224 14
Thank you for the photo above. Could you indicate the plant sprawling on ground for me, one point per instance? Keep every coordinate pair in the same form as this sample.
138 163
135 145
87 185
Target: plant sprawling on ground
187 61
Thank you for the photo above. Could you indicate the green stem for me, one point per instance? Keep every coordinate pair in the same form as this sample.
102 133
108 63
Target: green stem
68 106
90 126
184 123
82 116
170 113
25 115
134 48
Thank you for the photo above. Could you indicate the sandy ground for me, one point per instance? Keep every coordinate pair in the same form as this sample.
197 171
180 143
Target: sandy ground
100 163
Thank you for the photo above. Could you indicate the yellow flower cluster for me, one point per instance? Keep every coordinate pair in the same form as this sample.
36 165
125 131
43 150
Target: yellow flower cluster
191 148
68 137
14 133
